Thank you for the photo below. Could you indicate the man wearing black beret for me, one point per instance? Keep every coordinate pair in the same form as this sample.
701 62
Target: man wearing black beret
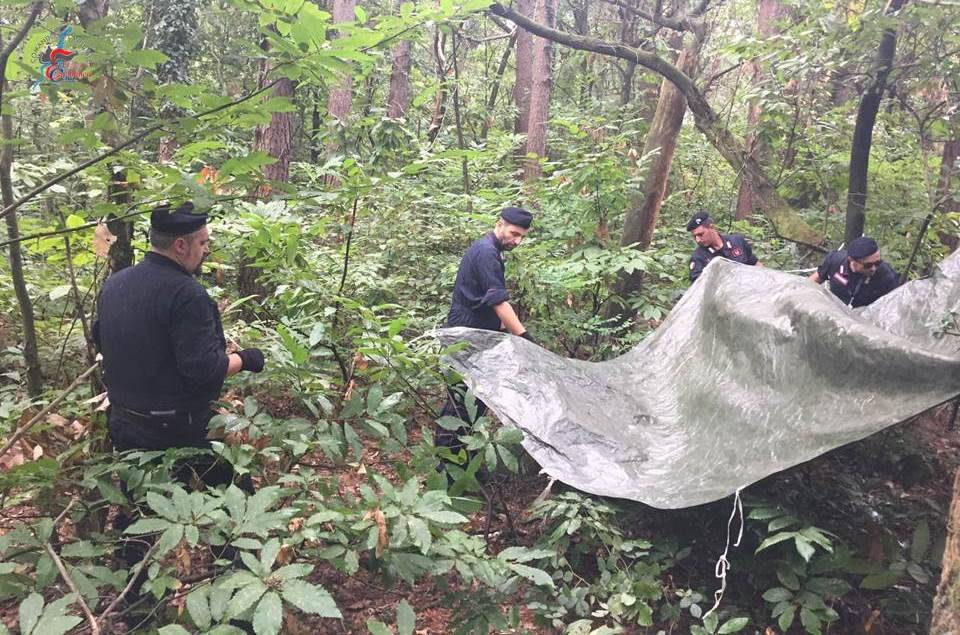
481 301
857 274
164 352
711 244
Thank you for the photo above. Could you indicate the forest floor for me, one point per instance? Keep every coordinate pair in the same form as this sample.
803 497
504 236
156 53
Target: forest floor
869 494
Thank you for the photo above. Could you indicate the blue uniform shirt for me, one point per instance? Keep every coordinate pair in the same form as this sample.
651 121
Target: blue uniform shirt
480 286
852 288
161 338
735 247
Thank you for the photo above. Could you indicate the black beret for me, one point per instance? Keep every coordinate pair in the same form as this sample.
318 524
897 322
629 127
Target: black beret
178 222
517 216
862 247
698 219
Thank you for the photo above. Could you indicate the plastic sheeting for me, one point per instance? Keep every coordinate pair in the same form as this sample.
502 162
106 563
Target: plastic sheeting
754 371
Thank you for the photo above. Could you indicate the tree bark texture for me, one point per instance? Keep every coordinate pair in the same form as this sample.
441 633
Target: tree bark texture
31 353
640 221
863 132
546 13
399 97
785 221
440 102
121 251
945 202
523 80
768 13
945 617
340 99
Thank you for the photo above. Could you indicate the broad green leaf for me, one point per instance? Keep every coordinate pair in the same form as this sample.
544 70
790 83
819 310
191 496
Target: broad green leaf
880 581
406 618
376 627
173 629
245 598
269 554
199 607
268 615
163 506
147 526
777 594
537 576
735 625
445 517
291 571
921 541
169 539
310 598
30 610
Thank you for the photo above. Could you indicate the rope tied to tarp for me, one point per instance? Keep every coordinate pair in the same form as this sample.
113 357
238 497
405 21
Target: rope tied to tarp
723 565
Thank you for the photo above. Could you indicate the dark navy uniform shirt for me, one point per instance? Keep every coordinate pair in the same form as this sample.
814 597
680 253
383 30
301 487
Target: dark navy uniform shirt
852 288
480 285
735 247
161 338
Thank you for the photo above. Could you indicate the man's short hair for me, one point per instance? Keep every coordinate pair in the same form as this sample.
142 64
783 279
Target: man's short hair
699 219
161 240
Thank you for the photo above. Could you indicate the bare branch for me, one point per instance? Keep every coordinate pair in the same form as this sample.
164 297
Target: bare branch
94 627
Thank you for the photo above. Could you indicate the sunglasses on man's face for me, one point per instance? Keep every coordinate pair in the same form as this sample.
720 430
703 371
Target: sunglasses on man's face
874 264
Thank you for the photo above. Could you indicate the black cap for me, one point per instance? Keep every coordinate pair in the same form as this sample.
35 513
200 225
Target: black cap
862 247
517 216
178 222
698 219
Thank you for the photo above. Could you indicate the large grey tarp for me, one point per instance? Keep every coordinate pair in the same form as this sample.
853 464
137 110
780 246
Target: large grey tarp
754 371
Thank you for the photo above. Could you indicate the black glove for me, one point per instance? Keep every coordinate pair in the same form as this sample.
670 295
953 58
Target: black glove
526 335
251 359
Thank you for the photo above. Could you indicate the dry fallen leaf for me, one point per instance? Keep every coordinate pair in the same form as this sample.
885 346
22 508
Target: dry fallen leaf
102 240
37 452
381 520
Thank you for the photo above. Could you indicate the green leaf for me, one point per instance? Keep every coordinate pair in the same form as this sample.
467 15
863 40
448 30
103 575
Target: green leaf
268 554
788 579
735 625
810 620
376 627
147 526
880 581
199 607
406 618
921 541
786 618
268 615
173 629
804 547
54 620
776 539
537 576
169 539
310 598
777 594
163 506
445 517
245 598
291 571
30 610
146 58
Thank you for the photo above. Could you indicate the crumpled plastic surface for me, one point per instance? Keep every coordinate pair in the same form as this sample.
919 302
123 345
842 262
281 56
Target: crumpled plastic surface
753 371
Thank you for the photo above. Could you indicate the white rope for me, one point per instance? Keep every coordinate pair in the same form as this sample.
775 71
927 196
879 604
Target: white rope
810 270
723 565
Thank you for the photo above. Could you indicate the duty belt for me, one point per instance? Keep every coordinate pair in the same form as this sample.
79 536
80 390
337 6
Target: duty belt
157 416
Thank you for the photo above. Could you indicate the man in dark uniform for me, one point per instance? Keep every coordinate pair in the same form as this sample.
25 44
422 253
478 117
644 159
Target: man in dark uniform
164 356
857 274
711 244
480 301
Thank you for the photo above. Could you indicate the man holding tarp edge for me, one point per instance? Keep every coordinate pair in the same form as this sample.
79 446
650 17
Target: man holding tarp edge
858 276
481 301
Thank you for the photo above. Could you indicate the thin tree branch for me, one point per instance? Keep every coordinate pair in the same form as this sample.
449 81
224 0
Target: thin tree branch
40 415
94 627
15 41
133 579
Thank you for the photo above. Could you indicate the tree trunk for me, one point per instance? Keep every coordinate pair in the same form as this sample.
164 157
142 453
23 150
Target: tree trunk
103 88
399 97
945 617
523 81
30 351
440 103
495 89
540 94
768 13
945 202
863 132
641 219
628 35
341 96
